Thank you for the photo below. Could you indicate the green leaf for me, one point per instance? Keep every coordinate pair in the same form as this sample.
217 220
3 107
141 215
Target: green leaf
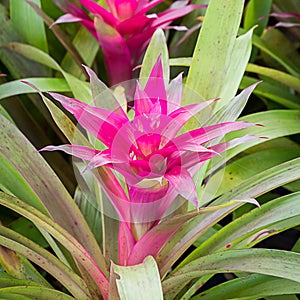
180 61
5 296
79 88
283 264
20 268
4 113
18 66
61 36
18 288
287 79
263 182
248 166
34 292
273 92
231 110
90 211
64 123
252 287
215 45
183 42
29 24
254 11
26 160
18 87
44 259
187 234
234 72
141 281
249 229
12 182
87 46
27 229
157 46
79 253
276 123
277 55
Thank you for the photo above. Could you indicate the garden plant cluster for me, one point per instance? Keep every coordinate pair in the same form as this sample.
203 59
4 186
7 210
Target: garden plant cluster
150 149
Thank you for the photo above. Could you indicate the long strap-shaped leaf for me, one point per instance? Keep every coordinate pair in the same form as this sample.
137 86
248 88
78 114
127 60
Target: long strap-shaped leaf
19 288
29 24
45 184
18 87
260 223
65 238
264 181
251 287
44 259
276 123
257 185
214 48
79 88
277 263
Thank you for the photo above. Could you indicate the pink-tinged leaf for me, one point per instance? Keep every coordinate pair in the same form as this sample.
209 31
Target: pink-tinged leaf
180 117
125 243
181 180
67 18
103 124
144 6
206 134
287 24
155 238
285 15
103 96
177 28
82 152
98 10
156 191
142 103
125 9
233 143
133 26
114 192
166 17
192 147
174 93
138 43
76 14
249 200
155 87
103 158
115 51
194 161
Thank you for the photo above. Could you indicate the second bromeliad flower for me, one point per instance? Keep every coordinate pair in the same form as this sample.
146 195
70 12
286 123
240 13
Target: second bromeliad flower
156 162
124 29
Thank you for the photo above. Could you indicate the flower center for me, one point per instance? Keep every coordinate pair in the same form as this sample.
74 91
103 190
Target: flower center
157 163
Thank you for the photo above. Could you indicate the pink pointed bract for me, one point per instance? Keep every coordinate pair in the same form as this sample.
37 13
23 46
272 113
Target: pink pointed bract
124 29
156 162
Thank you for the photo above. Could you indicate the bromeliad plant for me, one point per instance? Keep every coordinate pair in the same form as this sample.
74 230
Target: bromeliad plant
107 243
124 29
157 164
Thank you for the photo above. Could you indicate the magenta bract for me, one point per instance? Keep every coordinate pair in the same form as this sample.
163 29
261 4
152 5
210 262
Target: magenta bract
156 162
124 29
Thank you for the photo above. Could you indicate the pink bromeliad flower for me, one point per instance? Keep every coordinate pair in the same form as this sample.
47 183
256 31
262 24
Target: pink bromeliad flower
124 29
155 161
